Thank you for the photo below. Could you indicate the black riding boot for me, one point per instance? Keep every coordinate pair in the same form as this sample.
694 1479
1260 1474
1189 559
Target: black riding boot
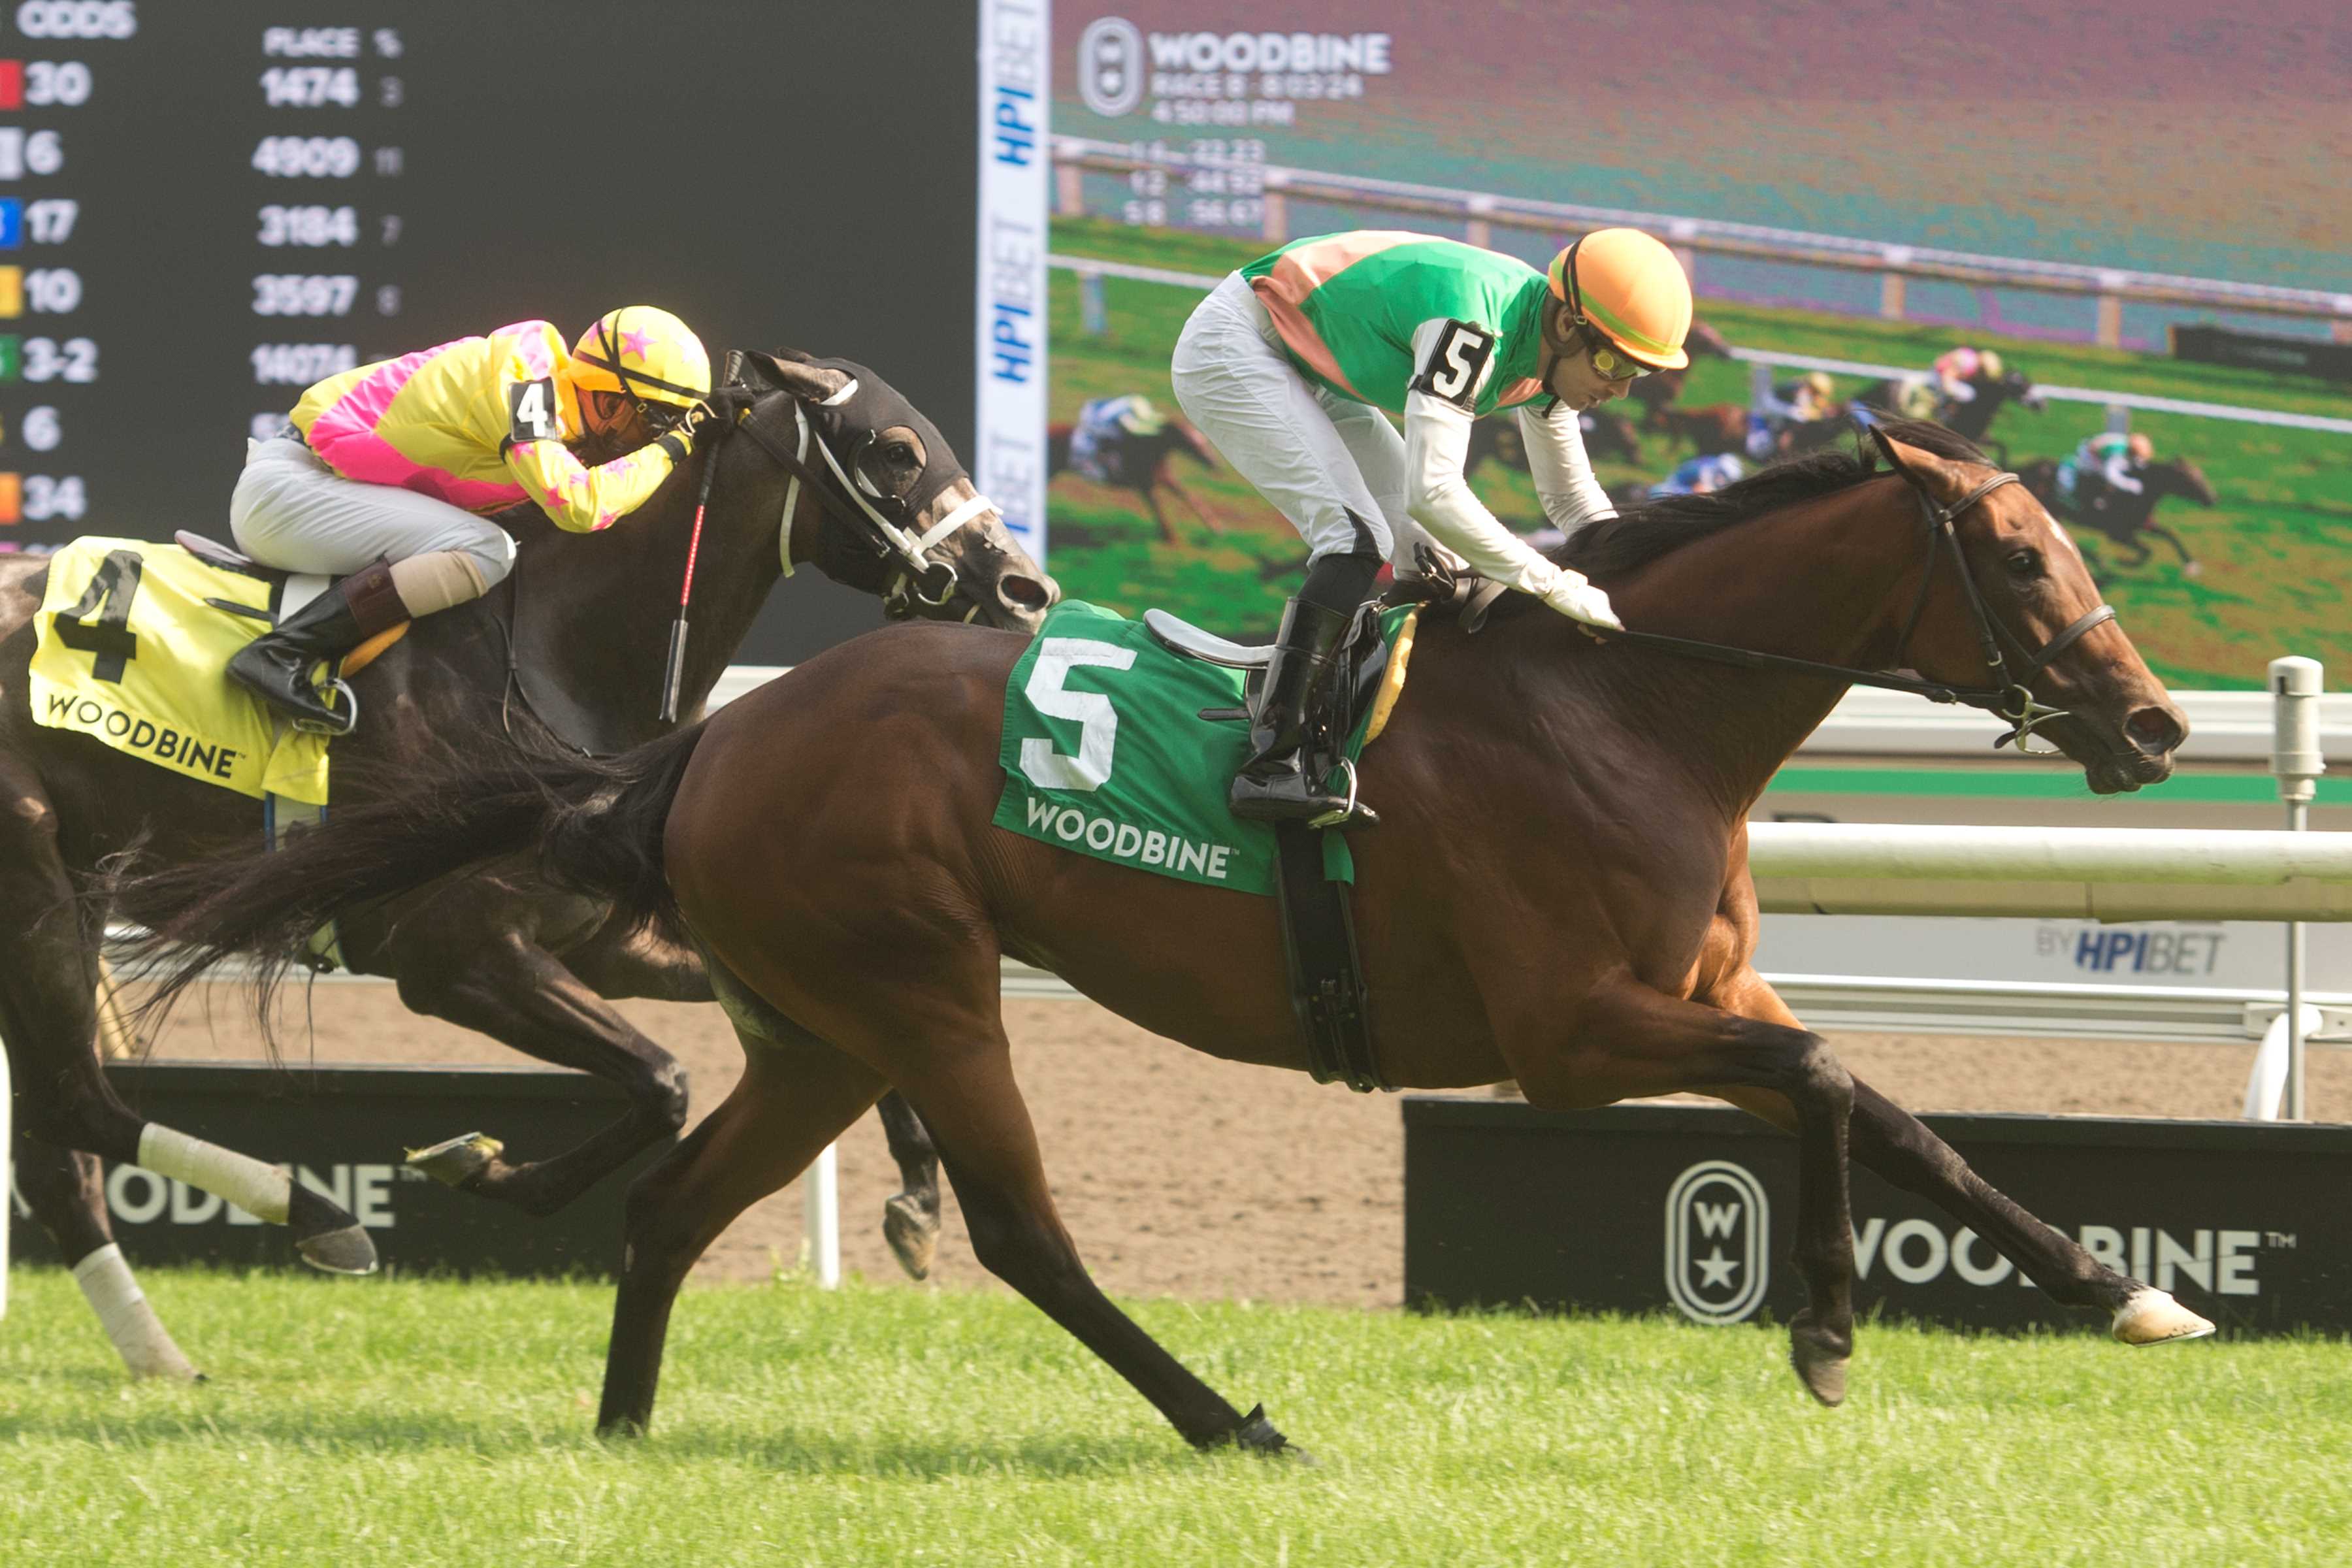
275 665
1274 785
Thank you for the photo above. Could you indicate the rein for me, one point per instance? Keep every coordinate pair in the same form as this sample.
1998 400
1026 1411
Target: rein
2007 697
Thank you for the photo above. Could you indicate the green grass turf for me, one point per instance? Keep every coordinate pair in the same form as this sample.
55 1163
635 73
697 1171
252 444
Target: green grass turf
2277 551
409 1422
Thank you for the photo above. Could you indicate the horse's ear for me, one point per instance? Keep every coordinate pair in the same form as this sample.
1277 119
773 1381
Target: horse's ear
1924 470
788 370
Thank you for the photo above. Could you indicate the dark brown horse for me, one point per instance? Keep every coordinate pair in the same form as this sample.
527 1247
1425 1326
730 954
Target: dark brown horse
2122 516
1709 427
1558 893
1607 434
569 649
1972 418
1142 464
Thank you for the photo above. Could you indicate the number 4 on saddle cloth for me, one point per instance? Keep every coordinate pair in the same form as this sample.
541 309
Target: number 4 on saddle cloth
131 643
1120 742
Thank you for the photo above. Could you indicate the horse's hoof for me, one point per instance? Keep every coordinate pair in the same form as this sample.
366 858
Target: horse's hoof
168 1365
2151 1317
346 1250
456 1161
1820 1359
1256 1434
913 1234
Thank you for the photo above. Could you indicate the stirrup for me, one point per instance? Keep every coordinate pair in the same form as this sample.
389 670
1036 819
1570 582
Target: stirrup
347 717
1347 812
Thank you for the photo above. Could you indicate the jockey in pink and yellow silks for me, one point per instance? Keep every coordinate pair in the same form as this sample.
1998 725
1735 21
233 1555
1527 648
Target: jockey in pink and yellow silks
443 422
381 473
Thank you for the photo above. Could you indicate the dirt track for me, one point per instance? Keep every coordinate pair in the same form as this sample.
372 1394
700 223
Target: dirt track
1181 1174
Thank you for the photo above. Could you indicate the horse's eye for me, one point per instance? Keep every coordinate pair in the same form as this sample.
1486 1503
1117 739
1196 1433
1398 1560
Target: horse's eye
901 453
2024 564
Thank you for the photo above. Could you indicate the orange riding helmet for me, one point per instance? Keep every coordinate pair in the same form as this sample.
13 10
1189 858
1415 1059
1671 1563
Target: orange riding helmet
1629 287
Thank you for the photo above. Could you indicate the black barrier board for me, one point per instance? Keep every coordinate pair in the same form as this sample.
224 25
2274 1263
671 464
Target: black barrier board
1639 1207
344 1131
2263 350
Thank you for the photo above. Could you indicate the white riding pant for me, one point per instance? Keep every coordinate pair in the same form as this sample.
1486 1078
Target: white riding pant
292 511
1316 456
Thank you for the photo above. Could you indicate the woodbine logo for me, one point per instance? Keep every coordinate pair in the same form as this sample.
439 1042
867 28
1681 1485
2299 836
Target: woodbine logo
160 742
1116 60
1125 841
1718 1242
1718 1245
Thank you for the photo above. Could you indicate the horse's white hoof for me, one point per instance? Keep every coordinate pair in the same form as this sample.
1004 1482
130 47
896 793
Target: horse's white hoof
2151 1317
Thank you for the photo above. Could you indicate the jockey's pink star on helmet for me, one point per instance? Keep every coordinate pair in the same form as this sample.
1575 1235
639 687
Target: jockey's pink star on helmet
645 352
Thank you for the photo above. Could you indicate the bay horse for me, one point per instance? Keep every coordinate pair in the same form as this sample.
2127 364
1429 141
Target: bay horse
570 649
1558 893
2123 517
1143 464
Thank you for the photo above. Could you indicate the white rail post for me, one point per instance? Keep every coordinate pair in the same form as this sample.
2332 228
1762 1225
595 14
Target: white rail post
2110 332
1891 282
1094 309
1478 229
2297 760
821 1200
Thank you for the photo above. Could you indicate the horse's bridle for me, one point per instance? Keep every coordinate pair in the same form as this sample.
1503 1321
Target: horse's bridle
2016 703
914 577
2007 697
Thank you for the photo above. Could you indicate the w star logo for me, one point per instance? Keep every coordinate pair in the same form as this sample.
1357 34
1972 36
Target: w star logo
1718 1242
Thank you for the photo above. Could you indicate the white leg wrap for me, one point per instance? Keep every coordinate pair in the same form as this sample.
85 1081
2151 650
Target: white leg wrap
123 1311
263 1191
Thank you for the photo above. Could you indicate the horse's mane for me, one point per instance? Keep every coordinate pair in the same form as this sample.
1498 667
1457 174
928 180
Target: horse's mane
1640 535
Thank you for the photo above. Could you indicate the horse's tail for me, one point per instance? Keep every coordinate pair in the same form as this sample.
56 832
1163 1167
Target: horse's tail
595 823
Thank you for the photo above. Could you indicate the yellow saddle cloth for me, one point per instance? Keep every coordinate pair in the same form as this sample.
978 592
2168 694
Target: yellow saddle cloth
129 652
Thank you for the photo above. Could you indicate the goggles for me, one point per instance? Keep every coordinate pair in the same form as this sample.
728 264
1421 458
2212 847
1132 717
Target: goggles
1610 362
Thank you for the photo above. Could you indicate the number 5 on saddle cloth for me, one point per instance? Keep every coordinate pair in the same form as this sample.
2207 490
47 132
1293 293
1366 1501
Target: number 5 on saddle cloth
1120 740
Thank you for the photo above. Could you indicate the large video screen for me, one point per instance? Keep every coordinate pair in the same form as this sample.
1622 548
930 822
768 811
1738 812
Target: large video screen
2140 220
206 206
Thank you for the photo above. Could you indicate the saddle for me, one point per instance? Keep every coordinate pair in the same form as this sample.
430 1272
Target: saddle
291 590
1364 657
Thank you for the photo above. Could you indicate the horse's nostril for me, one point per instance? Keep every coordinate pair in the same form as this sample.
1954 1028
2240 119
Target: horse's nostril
1026 593
2155 731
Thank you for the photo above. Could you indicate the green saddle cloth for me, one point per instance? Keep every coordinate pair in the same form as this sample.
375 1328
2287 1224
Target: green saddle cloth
1106 754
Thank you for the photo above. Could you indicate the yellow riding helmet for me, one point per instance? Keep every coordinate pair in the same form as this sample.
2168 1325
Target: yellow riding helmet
1141 418
1823 387
2140 448
1632 288
646 352
1989 364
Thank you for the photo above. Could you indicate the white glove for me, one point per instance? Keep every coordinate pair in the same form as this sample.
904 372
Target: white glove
1575 596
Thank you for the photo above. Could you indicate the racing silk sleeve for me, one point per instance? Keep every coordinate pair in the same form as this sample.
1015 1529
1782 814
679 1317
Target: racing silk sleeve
1454 359
524 359
2117 471
1571 496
